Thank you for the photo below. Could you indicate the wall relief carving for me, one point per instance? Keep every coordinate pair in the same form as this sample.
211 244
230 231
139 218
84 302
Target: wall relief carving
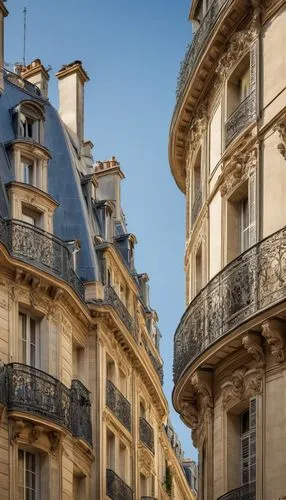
252 343
273 330
244 384
280 127
237 169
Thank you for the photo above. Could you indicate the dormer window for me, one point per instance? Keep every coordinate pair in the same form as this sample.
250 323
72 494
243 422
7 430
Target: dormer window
28 121
28 171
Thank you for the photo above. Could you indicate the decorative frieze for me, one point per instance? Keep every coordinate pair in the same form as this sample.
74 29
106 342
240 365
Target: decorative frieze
197 128
239 44
273 330
244 384
237 169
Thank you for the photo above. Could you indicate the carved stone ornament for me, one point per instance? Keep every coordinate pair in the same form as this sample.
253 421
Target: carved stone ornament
189 411
239 43
280 127
35 432
252 343
197 128
55 439
17 428
244 384
146 461
237 169
202 383
273 330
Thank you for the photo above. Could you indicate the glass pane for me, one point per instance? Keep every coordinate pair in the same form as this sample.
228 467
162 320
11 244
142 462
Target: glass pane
245 213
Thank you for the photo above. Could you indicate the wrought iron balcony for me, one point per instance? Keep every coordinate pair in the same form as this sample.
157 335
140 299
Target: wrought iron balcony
21 82
155 362
197 205
148 498
244 114
41 249
251 283
80 411
26 389
245 492
146 433
197 45
116 488
111 298
118 404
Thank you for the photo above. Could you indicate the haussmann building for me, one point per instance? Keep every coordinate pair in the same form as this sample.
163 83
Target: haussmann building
83 415
227 151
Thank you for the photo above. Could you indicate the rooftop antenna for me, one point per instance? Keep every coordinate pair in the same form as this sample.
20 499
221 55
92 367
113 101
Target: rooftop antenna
25 23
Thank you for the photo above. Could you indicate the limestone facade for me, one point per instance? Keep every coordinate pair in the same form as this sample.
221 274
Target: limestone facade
227 154
83 414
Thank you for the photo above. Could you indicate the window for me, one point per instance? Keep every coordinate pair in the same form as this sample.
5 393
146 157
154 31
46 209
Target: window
78 361
142 410
79 486
248 444
28 171
28 340
241 219
29 476
122 461
143 485
122 382
110 441
110 370
238 85
31 216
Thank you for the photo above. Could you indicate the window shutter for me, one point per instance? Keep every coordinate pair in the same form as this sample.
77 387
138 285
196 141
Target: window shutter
53 345
252 209
252 454
245 445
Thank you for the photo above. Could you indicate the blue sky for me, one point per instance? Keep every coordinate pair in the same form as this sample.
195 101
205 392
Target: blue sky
131 50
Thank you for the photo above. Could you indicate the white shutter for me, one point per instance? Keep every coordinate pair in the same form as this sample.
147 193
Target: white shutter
252 208
252 426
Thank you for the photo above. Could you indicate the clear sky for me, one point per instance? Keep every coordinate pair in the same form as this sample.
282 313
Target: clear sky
131 50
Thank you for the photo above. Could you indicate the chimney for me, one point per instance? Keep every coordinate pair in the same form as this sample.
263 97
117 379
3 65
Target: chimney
109 175
37 74
3 13
72 78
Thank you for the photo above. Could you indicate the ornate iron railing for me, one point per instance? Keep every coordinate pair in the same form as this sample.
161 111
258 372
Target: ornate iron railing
30 390
118 404
22 83
111 298
80 411
244 114
146 433
251 283
156 363
41 249
245 492
196 206
116 488
197 45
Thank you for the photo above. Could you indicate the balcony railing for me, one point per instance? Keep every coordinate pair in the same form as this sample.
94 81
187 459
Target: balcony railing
22 83
29 390
41 249
251 283
197 45
80 415
197 205
148 498
245 492
118 404
155 362
116 488
111 298
146 433
244 114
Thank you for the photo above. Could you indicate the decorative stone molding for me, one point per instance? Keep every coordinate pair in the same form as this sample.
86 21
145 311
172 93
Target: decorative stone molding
202 383
35 432
273 330
54 439
145 459
237 169
189 411
280 127
252 343
197 128
16 429
244 384
239 44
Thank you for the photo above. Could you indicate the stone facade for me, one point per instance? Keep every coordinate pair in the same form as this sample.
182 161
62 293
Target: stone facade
227 154
83 414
